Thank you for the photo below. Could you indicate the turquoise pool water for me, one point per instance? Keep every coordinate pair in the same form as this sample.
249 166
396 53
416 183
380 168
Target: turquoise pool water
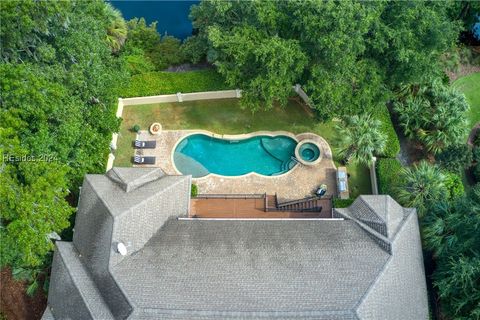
200 155
309 152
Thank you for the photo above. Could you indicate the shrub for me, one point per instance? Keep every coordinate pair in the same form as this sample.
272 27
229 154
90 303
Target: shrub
140 35
476 140
167 53
136 128
342 203
435 115
476 172
138 63
194 190
455 158
194 49
155 83
474 193
476 154
454 185
388 171
392 147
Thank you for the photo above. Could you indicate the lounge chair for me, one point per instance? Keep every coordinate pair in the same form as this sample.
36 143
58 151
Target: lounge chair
150 144
143 160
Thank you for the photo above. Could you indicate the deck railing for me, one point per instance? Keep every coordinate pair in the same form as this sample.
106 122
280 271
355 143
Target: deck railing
232 196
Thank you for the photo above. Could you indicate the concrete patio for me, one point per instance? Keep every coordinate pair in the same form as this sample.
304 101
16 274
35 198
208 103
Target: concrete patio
299 182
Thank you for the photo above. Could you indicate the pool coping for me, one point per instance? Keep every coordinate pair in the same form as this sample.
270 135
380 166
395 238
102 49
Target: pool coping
299 157
242 137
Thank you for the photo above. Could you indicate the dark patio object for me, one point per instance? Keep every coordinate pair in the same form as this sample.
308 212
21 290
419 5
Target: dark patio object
150 144
321 190
143 160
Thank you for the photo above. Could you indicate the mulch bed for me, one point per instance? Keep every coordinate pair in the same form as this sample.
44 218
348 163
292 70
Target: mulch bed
15 304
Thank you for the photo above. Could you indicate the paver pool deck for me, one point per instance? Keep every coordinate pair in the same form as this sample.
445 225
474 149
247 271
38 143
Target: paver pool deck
299 182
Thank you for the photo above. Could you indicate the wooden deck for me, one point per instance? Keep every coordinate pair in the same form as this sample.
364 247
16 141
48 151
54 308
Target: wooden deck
249 208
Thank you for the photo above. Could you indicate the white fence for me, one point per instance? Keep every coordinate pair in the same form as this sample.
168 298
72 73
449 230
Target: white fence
373 176
178 97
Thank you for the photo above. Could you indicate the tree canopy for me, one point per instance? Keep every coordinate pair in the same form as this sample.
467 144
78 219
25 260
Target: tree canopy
361 138
435 115
346 54
451 233
420 185
59 88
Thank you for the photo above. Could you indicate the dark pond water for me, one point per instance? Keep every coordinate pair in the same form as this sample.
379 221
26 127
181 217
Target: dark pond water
172 16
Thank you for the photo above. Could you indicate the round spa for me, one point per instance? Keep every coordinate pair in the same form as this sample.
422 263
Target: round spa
308 152
201 154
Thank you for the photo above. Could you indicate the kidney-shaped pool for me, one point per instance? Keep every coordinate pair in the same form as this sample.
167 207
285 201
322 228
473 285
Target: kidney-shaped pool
199 155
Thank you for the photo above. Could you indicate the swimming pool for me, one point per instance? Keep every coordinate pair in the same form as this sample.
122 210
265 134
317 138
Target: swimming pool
200 154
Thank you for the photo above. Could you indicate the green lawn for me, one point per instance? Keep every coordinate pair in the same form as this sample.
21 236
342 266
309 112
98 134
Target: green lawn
226 117
470 86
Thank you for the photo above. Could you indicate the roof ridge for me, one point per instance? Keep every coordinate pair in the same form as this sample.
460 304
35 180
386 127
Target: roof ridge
236 314
382 271
376 234
87 281
170 186
373 210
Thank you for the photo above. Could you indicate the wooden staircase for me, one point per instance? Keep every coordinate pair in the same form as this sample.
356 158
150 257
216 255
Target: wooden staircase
309 204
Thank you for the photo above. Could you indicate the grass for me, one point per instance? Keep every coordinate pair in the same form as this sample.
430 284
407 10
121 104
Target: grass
470 86
226 117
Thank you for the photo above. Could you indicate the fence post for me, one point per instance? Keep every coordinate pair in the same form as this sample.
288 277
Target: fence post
373 176
119 108
111 157
179 97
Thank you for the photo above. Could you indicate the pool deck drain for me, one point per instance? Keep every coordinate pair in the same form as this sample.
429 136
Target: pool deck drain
297 183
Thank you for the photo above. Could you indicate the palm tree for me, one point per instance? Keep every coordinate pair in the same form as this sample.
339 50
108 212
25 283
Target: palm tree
361 138
435 115
420 186
116 29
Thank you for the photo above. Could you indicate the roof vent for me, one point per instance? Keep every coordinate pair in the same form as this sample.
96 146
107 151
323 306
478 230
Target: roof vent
122 249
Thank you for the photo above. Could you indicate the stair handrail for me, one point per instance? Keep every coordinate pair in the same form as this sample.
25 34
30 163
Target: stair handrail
231 196
283 204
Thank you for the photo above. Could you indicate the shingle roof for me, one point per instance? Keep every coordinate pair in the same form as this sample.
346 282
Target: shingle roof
252 268
131 179
381 213
176 269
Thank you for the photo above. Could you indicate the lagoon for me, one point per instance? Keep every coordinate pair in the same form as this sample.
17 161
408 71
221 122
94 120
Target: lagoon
172 16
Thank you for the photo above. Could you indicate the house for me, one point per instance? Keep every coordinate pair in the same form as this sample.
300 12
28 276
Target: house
134 257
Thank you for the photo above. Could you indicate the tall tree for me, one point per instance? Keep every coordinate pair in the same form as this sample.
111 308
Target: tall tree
59 87
116 28
451 232
277 62
409 37
361 138
350 53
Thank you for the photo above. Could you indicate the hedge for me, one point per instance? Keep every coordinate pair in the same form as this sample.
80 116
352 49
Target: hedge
392 147
156 83
194 190
388 171
342 203
453 185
